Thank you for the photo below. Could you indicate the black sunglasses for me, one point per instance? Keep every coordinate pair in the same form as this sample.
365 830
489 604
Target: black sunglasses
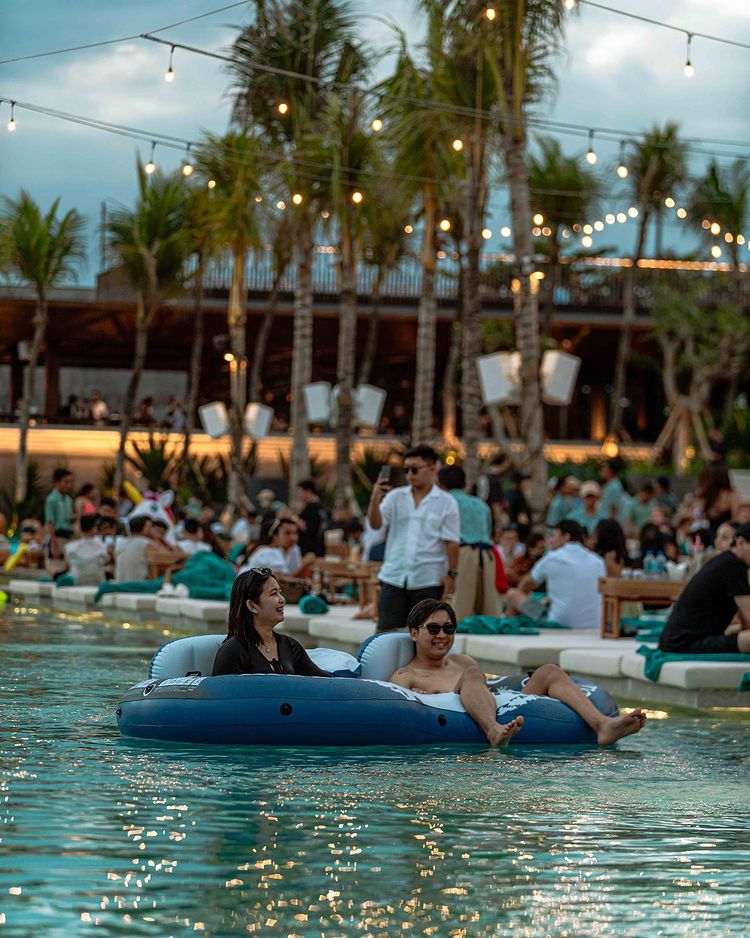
408 469
260 571
434 629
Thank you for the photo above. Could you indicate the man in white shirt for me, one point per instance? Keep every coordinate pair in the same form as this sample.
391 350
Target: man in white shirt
281 553
571 572
192 538
87 556
98 407
424 534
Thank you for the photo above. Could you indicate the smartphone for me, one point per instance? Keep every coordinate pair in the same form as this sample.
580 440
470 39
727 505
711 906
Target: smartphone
385 475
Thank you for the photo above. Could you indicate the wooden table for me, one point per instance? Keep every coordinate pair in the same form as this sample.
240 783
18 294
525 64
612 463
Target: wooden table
616 591
362 573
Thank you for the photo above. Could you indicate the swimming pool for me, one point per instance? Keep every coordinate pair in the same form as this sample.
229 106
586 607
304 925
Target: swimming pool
99 836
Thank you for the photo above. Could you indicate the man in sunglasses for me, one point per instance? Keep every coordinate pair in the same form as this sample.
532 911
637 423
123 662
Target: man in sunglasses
432 626
424 533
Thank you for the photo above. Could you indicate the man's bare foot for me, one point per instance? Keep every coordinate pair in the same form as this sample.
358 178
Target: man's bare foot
614 728
501 733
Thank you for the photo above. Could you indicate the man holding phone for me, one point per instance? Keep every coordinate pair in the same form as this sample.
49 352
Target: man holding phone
424 534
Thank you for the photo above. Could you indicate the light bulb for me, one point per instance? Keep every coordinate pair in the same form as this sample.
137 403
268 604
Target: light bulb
566 232
576 227
486 233
570 4
325 213
587 241
150 167
587 229
688 70
591 157
281 205
408 229
728 237
282 107
546 231
357 197
681 213
169 74
297 198
705 224
490 13
445 224
211 183
258 198
609 218
187 169
538 219
716 251
598 225
740 239
633 211
669 201
715 228
622 171
622 217
458 145
505 232
377 124
12 121
536 231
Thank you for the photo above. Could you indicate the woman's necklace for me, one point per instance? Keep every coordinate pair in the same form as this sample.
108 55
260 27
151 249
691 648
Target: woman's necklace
266 647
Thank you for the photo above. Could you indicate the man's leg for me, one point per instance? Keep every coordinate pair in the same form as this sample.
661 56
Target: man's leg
552 681
514 601
393 607
491 603
464 599
482 707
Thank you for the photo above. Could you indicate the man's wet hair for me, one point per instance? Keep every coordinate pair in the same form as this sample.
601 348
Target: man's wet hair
427 607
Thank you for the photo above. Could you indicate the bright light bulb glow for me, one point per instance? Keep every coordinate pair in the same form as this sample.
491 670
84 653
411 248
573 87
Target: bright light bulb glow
609 218
546 231
445 224
587 241
150 167
536 231
716 251
588 229
633 211
297 198
570 4
576 227
211 183
169 75
282 107
258 198
566 232
357 197
705 224
622 217
187 169
681 213
598 225
728 238
281 205
669 201
740 239
622 171
715 228
538 219
458 145
325 213
408 229
486 234
689 70
591 158
377 125
505 232
490 13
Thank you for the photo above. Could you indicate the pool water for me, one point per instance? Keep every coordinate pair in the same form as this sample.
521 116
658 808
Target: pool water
99 836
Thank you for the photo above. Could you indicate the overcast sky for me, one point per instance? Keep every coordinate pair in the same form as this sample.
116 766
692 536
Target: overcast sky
615 72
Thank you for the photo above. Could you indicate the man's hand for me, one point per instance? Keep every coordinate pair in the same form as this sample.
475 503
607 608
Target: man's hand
449 587
379 490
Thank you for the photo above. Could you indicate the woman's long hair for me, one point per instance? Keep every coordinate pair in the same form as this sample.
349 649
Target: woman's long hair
241 622
713 481
608 536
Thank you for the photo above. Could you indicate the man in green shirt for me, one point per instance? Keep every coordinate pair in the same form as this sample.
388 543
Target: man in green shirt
58 509
639 510
615 499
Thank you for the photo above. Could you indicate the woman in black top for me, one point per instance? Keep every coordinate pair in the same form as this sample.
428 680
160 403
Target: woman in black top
256 607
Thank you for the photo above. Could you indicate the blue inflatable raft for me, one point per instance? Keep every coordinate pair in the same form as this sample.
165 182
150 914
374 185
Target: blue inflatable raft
182 703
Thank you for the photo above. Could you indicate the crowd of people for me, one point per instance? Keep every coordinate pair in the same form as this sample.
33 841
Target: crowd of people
96 411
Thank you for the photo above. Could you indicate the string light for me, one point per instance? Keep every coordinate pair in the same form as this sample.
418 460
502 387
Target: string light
297 198
12 121
357 197
622 217
169 74
570 5
688 69
705 224
445 224
325 213
588 229
740 239
486 233
505 232
598 225
408 229
622 169
669 201
609 218
377 125
458 145
715 228
211 183
536 231
490 13
187 166
716 251
258 198
281 205
728 237
538 219
566 232
576 227
587 241
681 213
546 231
633 211
151 165
282 107
590 154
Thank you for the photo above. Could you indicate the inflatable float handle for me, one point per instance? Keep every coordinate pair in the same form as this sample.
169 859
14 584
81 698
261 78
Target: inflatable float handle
132 492
12 562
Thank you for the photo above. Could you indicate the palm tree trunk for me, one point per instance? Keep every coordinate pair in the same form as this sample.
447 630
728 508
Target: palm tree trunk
237 321
527 323
619 382
347 346
450 377
424 382
29 379
373 330
735 369
142 322
551 282
299 463
194 376
261 339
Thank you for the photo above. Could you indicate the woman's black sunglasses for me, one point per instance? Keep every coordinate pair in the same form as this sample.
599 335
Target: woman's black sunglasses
434 629
260 571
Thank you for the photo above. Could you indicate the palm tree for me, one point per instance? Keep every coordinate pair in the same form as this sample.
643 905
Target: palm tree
234 162
42 250
656 169
563 191
528 36
723 196
150 242
306 43
420 137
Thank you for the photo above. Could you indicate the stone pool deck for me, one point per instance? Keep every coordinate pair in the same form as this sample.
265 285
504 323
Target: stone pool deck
614 664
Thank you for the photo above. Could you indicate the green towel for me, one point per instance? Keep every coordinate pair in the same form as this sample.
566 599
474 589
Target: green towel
745 682
656 659
131 586
494 625
313 605
236 552
65 580
207 576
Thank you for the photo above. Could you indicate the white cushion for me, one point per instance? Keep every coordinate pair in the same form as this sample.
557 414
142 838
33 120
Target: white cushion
594 661
690 675
528 651
168 605
135 602
205 610
74 595
338 630
33 589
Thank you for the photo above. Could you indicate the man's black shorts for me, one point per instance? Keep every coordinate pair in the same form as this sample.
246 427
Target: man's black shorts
703 645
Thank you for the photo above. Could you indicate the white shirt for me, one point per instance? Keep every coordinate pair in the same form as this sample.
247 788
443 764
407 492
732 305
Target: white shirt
276 559
572 573
130 559
86 558
192 547
415 555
